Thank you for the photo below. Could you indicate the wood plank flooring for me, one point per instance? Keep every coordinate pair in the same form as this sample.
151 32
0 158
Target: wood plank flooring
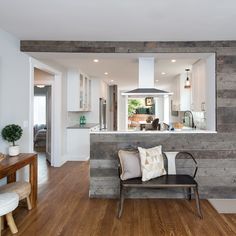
65 209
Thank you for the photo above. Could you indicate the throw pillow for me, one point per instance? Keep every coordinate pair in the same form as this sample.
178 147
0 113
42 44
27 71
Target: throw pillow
152 163
130 164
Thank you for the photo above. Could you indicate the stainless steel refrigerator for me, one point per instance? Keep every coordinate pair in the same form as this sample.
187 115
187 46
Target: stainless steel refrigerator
102 114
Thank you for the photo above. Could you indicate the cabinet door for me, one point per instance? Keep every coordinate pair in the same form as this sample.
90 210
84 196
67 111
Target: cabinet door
202 85
73 96
199 86
86 101
81 92
176 96
78 144
78 91
89 95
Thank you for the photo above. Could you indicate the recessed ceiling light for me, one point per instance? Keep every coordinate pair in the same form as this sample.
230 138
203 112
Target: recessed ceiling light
173 60
95 60
111 80
163 73
105 73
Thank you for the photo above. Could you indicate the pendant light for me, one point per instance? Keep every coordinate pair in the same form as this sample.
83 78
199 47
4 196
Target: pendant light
187 81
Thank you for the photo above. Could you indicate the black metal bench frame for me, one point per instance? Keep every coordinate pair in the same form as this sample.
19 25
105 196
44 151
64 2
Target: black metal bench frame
166 181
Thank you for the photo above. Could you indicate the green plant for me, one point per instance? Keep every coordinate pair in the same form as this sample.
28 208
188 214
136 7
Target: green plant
133 104
12 133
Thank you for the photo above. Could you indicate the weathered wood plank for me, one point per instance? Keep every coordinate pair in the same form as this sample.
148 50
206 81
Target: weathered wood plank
123 47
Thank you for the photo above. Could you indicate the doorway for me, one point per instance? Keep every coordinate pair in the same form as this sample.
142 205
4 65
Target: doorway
49 145
42 120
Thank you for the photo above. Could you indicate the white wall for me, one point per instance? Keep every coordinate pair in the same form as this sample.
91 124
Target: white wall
14 88
170 85
122 113
210 93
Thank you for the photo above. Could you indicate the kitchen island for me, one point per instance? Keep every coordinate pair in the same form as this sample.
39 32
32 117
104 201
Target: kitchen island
214 152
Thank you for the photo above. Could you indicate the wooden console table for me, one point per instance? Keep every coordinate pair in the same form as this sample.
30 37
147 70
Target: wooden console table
10 165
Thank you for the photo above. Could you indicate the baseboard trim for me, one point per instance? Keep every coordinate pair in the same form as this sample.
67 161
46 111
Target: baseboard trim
224 206
76 158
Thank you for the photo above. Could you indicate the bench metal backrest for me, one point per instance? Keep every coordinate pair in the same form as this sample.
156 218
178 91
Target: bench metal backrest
166 161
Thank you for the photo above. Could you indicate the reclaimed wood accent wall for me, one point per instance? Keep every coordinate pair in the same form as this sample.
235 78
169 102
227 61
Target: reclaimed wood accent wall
216 153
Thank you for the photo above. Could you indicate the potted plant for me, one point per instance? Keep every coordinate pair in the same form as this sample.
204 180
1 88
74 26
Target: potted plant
12 133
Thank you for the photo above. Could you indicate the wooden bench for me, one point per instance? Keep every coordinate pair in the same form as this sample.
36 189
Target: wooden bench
167 181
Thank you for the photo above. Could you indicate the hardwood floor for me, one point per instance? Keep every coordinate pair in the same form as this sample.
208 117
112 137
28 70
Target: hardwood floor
65 209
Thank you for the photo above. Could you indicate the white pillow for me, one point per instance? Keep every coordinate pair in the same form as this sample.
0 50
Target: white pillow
130 164
152 163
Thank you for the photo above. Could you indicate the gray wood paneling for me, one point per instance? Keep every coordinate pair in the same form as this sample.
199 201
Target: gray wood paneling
216 153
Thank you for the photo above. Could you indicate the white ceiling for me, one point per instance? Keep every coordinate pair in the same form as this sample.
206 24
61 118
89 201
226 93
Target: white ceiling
122 68
141 20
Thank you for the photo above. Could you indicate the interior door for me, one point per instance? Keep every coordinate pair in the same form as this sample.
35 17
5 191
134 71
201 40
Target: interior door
49 123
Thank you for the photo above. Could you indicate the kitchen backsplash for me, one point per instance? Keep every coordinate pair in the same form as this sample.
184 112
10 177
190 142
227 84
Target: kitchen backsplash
74 118
199 120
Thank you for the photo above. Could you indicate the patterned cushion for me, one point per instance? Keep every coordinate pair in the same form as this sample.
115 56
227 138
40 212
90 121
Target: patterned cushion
152 163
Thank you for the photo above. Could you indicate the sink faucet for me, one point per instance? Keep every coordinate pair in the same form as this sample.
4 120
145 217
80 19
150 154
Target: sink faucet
189 114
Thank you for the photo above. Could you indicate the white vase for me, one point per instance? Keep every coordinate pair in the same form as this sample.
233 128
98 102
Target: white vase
14 150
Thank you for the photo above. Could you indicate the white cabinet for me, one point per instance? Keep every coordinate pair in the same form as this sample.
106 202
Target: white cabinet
78 91
78 143
198 86
182 96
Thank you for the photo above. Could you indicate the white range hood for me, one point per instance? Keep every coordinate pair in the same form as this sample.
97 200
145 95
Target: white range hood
146 80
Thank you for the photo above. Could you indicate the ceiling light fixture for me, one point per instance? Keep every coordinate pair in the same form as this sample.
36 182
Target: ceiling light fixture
40 85
163 73
173 60
105 73
156 80
111 80
95 60
187 81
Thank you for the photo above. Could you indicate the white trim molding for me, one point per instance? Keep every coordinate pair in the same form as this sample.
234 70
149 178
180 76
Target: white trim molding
57 158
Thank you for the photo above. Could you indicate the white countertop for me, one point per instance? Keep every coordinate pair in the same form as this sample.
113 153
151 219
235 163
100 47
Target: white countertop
183 131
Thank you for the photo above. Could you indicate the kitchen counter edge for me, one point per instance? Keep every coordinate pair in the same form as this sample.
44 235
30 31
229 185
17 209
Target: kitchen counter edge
86 126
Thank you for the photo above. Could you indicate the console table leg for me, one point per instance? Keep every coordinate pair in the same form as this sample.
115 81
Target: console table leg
197 202
33 182
11 178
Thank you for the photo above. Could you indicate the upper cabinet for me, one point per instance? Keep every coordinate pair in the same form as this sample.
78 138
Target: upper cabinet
78 91
198 101
182 96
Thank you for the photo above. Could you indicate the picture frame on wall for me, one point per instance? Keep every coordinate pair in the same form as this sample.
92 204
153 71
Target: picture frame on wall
149 101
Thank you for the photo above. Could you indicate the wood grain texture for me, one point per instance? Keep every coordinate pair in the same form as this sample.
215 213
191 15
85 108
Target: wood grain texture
10 165
64 208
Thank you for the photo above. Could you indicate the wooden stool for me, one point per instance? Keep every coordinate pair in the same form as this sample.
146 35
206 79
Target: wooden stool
23 189
8 203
